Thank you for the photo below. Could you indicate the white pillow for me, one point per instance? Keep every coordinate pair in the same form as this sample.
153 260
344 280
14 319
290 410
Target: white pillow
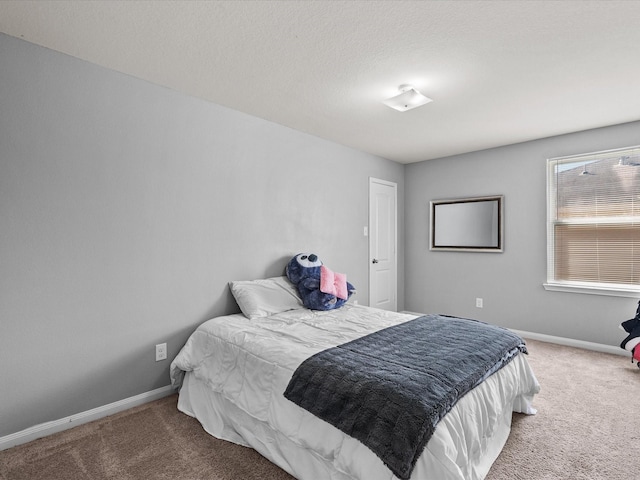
261 298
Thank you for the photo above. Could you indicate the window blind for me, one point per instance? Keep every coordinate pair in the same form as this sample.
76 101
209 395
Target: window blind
594 218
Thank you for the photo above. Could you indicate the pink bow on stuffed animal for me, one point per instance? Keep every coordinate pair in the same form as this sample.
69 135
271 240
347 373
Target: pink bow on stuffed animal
333 283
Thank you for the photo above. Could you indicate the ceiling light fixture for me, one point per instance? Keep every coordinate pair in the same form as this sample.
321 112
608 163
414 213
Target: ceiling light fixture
408 98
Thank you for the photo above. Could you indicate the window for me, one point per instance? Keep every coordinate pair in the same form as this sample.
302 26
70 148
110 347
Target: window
593 225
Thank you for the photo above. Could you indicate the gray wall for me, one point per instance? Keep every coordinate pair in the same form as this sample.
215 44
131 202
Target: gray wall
125 208
511 282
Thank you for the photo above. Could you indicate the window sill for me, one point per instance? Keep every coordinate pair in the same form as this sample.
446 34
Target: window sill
612 291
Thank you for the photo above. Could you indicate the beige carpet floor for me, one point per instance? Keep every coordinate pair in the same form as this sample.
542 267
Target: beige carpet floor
587 427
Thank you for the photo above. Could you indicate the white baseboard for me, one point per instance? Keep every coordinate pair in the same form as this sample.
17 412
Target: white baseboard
66 423
55 426
570 342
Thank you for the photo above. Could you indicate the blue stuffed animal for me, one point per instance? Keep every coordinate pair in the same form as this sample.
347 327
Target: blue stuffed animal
319 287
632 341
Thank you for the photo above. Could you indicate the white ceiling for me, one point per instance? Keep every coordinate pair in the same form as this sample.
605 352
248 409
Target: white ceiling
499 72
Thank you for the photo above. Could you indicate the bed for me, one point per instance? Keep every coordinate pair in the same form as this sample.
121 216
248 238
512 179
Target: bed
233 371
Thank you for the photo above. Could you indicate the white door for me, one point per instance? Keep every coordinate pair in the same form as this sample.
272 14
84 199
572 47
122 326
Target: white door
383 276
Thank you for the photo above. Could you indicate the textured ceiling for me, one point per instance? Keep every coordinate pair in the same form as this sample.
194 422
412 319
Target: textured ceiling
499 72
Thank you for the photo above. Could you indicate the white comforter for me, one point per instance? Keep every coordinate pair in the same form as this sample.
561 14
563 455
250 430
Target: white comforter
237 370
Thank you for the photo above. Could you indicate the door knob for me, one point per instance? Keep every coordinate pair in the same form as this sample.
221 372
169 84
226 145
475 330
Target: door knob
375 260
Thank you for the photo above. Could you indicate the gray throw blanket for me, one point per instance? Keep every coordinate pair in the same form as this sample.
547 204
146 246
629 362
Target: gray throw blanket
389 389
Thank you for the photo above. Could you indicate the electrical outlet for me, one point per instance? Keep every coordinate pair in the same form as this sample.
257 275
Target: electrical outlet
161 352
479 303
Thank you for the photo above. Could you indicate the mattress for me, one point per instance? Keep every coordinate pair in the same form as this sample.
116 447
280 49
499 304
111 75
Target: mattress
232 373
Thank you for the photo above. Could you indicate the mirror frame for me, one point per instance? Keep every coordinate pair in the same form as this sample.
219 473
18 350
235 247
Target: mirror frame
468 201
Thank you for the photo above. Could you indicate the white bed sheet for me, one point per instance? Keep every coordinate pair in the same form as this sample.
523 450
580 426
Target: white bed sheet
235 372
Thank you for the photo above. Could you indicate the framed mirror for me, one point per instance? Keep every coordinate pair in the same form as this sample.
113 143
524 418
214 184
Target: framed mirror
468 224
